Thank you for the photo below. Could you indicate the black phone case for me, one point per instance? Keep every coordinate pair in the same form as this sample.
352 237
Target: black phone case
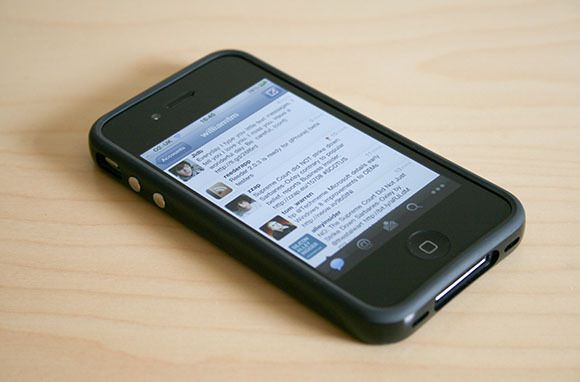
367 323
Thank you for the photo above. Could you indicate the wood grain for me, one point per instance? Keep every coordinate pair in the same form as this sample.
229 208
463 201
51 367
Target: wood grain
97 285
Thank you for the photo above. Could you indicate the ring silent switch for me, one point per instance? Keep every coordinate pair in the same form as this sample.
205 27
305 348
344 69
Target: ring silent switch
428 244
134 184
159 200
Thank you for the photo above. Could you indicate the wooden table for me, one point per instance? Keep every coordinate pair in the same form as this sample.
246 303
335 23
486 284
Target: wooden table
97 285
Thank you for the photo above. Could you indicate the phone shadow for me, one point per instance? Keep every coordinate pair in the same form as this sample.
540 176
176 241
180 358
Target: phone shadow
62 142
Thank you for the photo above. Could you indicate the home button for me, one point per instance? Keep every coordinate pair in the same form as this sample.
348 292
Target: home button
428 244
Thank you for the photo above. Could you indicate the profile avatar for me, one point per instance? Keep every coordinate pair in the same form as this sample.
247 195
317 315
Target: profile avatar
219 190
242 205
186 170
278 227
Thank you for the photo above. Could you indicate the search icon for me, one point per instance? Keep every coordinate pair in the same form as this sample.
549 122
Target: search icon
413 207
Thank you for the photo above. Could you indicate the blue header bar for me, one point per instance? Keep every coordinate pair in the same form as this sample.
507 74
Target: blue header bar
213 124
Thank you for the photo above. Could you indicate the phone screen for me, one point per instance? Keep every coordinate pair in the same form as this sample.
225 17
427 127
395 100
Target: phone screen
323 190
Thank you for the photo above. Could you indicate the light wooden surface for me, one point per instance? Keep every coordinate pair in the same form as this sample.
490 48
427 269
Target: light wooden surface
97 285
